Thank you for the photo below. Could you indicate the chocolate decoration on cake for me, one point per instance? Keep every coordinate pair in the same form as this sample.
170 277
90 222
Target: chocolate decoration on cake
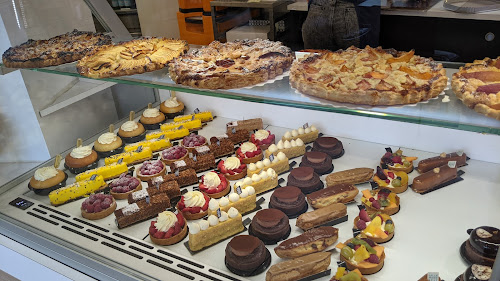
477 272
433 162
482 245
319 161
270 225
306 179
329 145
289 199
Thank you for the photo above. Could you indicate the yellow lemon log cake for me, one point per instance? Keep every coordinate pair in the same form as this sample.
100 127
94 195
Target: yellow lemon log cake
76 190
204 116
107 172
266 180
154 144
279 165
243 202
214 229
292 149
131 157
188 124
168 134
307 135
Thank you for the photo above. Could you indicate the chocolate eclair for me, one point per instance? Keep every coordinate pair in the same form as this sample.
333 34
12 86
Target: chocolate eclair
482 245
245 253
299 268
311 241
289 199
270 225
433 162
329 145
340 193
477 272
319 161
321 216
306 179
433 178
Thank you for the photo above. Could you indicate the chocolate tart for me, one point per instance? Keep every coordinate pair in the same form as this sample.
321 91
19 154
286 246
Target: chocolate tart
329 145
270 226
46 190
306 179
246 255
319 161
290 200
172 240
99 215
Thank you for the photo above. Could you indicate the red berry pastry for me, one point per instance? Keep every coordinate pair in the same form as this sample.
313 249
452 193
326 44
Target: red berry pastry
169 228
174 153
232 168
193 141
214 185
124 185
98 206
262 139
151 169
193 205
249 153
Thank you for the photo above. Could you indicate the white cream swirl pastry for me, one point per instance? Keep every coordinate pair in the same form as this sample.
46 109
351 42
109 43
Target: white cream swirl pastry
129 126
107 138
194 199
165 221
248 147
151 112
81 152
232 163
45 173
261 135
211 180
171 102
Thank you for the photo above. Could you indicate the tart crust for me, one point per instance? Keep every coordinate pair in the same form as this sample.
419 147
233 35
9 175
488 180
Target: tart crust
236 176
190 216
254 159
124 195
101 214
364 270
172 240
375 239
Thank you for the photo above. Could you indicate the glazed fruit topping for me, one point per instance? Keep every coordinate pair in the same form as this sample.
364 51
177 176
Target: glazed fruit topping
124 183
173 153
222 186
381 174
193 140
224 170
150 168
174 230
269 140
193 210
97 203
248 154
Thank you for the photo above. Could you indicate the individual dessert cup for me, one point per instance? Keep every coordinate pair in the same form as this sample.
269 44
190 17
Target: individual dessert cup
172 107
152 118
262 139
248 124
306 179
205 116
98 206
290 200
343 274
329 145
351 176
244 201
307 135
141 210
279 164
193 205
291 149
153 144
246 255
174 153
168 228
380 200
368 258
262 182
76 190
221 146
47 179
123 186
214 185
232 168
482 245
396 161
108 144
214 229
321 216
151 169
311 241
299 268
249 153
476 272
107 172
340 193
428 181
238 136
319 161
396 181
443 159
193 141
131 157
81 159
377 226
270 226
191 125
132 131
173 134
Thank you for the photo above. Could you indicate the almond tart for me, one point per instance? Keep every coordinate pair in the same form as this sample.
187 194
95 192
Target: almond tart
232 168
368 258
397 181
98 206
169 228
384 201
396 161
378 227
123 186
214 185
193 205
249 153
151 169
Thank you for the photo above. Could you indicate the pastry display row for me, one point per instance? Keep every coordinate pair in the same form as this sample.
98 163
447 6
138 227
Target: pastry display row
205 192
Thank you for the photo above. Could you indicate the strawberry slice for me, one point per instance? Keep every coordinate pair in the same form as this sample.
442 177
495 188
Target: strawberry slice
181 204
180 219
177 229
152 230
205 207
390 174
231 172
159 235
153 223
169 233
237 171
195 210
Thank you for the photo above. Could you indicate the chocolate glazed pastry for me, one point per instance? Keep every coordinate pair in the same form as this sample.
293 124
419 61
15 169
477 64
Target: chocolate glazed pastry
245 253
270 225
319 161
306 179
477 272
329 145
443 159
433 178
288 199
483 244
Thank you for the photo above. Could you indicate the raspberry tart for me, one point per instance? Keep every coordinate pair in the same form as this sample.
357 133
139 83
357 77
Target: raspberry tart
362 254
193 141
151 169
175 153
193 205
377 226
380 200
397 161
262 139
249 153
124 185
232 168
214 185
98 206
169 228
396 181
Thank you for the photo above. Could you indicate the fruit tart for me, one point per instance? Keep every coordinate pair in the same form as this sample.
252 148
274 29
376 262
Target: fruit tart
378 227
214 185
152 118
396 181
98 206
169 228
151 169
232 168
262 139
174 153
124 185
193 205
343 274
380 200
397 161
193 141
249 153
362 254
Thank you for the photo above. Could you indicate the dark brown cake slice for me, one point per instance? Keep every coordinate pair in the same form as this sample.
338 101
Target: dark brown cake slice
238 136
221 146
170 188
141 210
199 163
183 178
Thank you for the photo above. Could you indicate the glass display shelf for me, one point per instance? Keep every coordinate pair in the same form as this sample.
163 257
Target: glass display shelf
444 111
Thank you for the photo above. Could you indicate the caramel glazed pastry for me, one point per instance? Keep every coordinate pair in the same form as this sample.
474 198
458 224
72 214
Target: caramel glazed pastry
299 268
81 159
476 272
108 144
132 131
